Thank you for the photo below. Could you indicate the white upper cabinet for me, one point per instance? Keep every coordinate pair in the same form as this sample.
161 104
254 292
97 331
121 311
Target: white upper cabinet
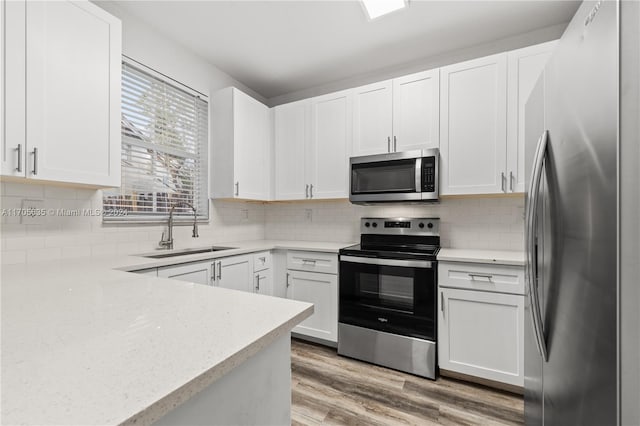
240 166
473 113
312 146
373 118
416 111
62 97
397 115
525 67
292 130
327 159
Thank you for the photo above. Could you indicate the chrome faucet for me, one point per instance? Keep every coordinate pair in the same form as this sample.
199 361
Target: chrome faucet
168 242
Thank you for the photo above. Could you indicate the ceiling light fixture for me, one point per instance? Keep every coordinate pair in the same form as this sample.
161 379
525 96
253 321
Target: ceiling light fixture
377 8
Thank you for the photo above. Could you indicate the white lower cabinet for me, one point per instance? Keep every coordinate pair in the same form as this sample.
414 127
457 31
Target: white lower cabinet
263 282
235 272
199 273
321 290
481 334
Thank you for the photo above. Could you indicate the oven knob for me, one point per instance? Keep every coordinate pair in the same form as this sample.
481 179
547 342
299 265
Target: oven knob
367 224
430 225
374 224
421 225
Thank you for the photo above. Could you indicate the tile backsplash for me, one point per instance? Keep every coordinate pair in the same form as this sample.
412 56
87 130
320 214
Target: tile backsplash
474 223
84 236
486 223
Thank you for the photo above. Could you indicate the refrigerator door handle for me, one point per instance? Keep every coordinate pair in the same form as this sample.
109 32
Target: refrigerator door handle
530 234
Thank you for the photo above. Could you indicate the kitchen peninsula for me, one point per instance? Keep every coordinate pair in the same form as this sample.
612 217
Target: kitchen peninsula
84 343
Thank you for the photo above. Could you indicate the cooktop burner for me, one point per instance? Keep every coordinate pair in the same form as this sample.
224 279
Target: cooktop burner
397 238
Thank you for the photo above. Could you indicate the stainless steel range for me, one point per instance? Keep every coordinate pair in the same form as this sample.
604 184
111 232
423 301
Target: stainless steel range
388 287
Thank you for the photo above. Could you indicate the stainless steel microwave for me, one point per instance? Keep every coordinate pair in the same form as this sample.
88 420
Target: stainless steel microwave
410 176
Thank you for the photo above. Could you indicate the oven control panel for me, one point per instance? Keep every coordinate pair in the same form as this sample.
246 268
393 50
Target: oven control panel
400 226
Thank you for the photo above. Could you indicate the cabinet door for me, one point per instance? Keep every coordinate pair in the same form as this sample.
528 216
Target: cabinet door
251 133
199 273
525 66
235 273
322 291
416 111
482 334
372 119
473 113
73 93
263 282
13 71
291 134
327 159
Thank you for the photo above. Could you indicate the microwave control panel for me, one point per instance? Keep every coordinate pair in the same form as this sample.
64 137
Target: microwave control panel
429 174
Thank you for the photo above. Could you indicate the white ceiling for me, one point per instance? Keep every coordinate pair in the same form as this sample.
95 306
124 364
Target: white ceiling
278 47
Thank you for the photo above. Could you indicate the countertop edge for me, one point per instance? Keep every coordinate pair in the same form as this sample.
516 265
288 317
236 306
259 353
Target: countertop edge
160 408
489 257
252 247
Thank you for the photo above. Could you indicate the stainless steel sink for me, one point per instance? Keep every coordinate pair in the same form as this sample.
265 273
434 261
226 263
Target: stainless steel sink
185 252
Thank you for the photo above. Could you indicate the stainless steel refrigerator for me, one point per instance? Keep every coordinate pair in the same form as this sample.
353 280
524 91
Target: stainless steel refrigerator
571 136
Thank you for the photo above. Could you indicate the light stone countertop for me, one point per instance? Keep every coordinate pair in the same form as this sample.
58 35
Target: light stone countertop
496 257
86 343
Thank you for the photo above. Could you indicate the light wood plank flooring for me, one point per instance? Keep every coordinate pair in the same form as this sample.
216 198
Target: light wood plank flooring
329 389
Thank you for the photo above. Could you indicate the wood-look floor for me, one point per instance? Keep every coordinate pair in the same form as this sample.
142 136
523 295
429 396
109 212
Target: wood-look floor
330 389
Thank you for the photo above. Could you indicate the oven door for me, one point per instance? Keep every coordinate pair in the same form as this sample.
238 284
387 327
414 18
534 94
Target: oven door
392 295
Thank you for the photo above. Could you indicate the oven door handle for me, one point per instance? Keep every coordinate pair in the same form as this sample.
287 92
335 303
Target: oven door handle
388 262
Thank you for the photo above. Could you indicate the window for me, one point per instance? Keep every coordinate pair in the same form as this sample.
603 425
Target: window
164 150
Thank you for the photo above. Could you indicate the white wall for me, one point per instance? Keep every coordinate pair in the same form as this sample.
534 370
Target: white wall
146 45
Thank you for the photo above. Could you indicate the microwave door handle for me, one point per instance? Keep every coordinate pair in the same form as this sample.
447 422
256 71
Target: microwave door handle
418 175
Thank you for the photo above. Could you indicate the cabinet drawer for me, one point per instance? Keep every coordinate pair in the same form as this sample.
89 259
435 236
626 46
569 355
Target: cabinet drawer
312 261
478 276
262 261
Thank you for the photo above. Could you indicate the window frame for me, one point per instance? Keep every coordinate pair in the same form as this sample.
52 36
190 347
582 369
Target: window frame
179 217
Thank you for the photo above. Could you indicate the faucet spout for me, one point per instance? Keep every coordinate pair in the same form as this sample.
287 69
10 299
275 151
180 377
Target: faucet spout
168 243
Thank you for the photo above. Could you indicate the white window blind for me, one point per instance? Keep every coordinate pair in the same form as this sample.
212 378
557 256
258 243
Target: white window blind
164 150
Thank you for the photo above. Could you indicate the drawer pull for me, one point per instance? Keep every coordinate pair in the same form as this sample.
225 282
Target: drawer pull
487 276
311 261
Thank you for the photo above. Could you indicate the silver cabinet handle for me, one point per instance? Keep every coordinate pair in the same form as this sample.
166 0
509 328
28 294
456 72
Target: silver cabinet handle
287 280
530 243
262 259
237 188
219 270
395 144
35 161
311 191
213 273
19 149
311 261
502 181
388 143
511 181
442 302
306 191
257 282
474 275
